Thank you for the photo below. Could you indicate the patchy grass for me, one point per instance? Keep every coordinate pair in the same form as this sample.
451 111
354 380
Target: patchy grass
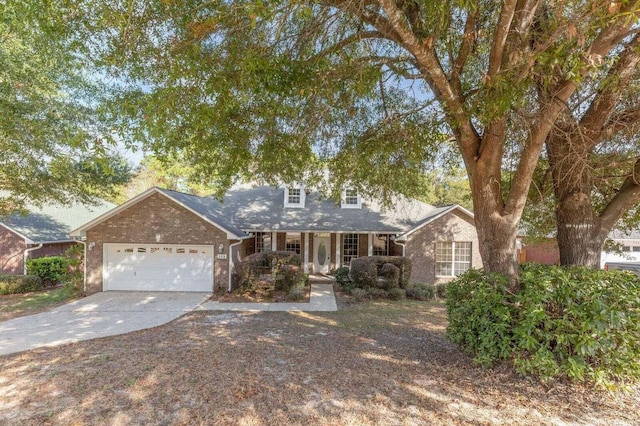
17 305
369 363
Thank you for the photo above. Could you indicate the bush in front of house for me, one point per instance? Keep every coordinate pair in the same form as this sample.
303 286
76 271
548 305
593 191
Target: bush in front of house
247 272
288 276
342 276
573 322
52 270
366 270
390 275
14 284
421 292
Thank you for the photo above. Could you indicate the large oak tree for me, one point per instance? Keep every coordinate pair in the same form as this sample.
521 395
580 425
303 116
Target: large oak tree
53 144
371 89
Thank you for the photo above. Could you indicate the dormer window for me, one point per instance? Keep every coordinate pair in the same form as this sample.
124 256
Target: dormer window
294 197
351 199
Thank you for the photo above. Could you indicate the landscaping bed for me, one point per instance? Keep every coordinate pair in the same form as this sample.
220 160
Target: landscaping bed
265 292
377 362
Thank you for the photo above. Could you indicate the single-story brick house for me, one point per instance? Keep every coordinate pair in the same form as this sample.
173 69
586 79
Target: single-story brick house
165 240
43 231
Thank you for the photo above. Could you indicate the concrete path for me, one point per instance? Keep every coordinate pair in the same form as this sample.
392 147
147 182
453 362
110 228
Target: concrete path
99 315
321 299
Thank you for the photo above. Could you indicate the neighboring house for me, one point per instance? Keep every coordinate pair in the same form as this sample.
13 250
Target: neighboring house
537 250
630 246
43 231
170 241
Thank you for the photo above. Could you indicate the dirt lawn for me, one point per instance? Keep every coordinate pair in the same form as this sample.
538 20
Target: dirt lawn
370 363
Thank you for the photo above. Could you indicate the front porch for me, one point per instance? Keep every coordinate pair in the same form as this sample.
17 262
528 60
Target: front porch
323 252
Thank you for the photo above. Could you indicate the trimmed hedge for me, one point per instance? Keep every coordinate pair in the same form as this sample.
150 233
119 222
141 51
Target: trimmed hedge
14 284
52 270
578 323
366 270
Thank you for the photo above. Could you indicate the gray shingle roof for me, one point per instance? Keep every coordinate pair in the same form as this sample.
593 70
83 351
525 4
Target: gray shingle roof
623 235
262 208
53 222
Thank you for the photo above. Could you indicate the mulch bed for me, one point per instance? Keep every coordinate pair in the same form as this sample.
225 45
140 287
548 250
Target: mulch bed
265 292
367 364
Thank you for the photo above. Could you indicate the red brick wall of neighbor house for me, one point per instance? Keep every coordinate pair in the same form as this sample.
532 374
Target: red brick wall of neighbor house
545 252
420 247
12 249
57 249
158 220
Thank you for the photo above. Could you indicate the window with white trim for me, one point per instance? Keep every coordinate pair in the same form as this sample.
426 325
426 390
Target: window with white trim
293 242
294 196
350 199
452 258
263 242
349 248
380 244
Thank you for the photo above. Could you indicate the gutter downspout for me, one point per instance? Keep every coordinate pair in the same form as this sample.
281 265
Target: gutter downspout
26 256
84 265
231 246
401 245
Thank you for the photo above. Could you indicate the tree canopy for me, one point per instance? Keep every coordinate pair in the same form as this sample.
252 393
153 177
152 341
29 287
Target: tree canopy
372 90
53 144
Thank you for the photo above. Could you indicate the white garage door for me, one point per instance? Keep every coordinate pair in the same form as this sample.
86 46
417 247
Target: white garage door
158 267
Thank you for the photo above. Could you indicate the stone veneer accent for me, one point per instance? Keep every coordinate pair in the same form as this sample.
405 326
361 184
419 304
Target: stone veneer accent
154 220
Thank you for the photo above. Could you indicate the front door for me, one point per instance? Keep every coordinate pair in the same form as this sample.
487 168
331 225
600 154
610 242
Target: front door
321 255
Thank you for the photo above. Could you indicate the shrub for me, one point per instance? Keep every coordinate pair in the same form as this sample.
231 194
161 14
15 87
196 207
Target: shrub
421 292
287 277
365 270
297 292
342 275
359 294
397 293
441 290
75 260
390 274
574 322
52 270
14 284
247 272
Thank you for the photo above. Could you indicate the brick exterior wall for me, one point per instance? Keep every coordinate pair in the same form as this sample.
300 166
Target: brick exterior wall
154 220
420 247
12 249
544 252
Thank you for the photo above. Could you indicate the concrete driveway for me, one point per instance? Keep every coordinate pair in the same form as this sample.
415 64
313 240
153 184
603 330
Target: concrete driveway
99 315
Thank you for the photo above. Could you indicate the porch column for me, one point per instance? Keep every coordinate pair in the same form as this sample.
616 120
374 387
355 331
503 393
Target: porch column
274 241
370 241
306 252
338 244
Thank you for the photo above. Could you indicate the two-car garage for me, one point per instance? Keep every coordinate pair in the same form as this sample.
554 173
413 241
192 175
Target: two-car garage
158 267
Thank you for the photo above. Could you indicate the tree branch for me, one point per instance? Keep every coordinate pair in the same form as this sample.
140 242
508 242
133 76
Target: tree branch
627 196
354 38
594 119
500 37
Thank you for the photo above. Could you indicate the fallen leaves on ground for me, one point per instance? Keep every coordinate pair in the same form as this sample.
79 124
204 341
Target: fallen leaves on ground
367 364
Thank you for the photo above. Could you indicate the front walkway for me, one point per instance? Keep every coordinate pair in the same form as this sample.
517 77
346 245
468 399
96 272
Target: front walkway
321 299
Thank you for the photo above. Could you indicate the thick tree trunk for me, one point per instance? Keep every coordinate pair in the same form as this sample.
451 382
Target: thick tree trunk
497 236
580 236
497 232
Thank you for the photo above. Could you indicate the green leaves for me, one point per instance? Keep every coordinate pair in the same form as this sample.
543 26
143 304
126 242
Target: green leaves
567 322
